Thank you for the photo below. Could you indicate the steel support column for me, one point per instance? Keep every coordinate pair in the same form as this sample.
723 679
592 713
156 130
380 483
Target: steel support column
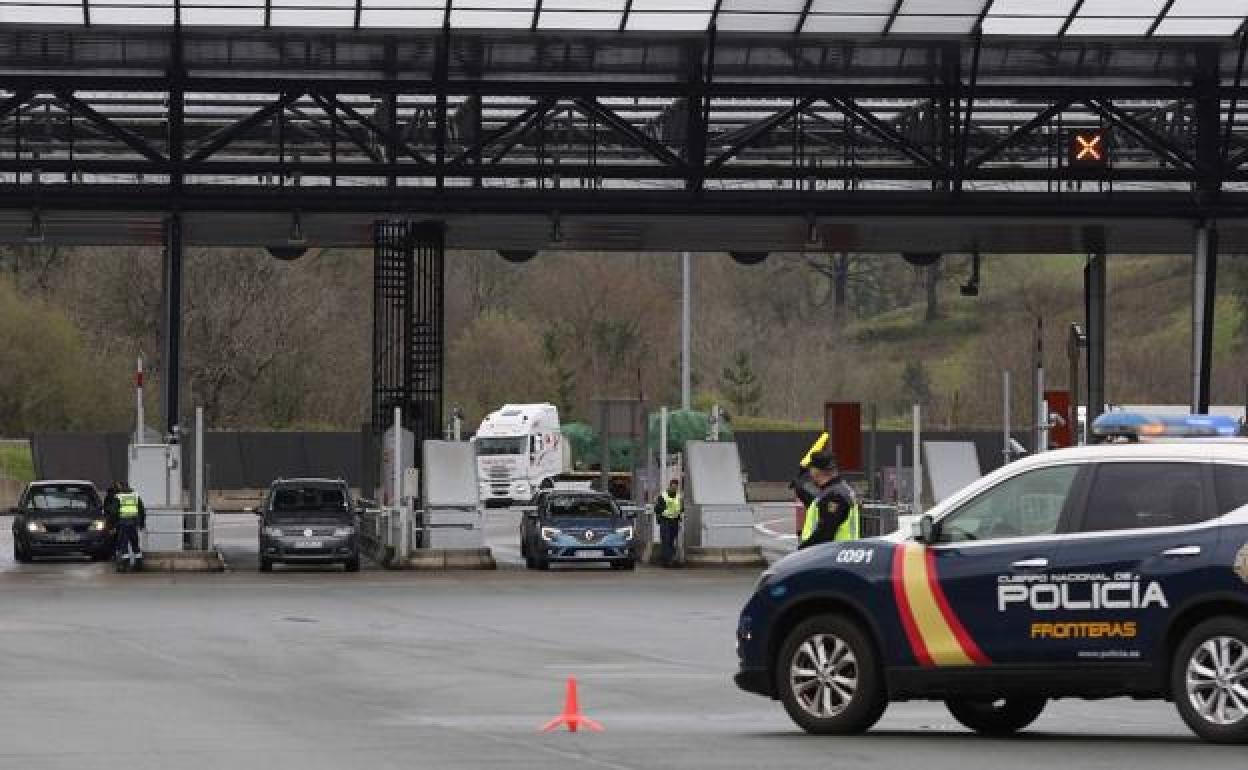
1095 298
171 325
1204 293
409 293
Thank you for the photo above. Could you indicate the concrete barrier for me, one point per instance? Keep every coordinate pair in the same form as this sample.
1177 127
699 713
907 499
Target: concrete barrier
10 490
183 561
742 556
447 558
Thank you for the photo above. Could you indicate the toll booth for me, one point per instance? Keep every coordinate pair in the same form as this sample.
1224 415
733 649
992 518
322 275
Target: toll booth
450 501
155 474
717 514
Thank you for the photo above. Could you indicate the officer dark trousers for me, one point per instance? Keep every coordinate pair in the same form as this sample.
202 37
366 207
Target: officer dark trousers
128 533
669 530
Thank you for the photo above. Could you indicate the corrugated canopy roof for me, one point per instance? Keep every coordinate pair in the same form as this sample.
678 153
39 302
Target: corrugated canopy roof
940 18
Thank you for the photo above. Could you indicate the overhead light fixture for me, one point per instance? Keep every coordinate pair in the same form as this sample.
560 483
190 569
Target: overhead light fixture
556 228
35 232
296 236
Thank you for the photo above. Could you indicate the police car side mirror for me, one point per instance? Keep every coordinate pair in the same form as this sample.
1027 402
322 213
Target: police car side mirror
927 530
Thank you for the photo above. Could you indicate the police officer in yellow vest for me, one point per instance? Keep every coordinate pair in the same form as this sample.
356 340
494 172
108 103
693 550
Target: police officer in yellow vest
126 510
831 505
668 508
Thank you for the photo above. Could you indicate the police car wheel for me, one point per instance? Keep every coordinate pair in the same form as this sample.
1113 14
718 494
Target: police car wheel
1000 717
1209 680
829 678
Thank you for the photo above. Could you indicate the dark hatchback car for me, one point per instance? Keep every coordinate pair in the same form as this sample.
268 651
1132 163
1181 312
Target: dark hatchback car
308 521
61 518
577 526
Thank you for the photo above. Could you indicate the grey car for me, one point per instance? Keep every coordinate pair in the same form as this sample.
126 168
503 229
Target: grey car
308 521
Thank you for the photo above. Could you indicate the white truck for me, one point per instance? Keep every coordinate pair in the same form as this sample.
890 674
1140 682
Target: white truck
519 450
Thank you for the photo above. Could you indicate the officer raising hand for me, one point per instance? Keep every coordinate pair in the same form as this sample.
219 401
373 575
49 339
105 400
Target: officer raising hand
831 505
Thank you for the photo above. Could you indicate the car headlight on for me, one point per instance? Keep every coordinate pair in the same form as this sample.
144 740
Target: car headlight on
550 533
344 531
99 525
35 526
625 532
273 531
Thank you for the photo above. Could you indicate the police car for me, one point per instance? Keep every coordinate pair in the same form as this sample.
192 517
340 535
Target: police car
1119 569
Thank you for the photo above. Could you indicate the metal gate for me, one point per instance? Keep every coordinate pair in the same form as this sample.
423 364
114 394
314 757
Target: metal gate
409 280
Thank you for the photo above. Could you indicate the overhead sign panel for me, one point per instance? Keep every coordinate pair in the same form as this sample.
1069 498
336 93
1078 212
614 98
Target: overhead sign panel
1088 149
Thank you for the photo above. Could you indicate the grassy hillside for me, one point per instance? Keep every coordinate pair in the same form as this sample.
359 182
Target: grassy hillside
965 350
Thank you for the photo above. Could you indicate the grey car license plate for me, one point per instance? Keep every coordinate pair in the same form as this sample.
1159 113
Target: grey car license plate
591 554
309 544
67 537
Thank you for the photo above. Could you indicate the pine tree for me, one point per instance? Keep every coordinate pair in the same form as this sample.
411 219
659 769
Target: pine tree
742 386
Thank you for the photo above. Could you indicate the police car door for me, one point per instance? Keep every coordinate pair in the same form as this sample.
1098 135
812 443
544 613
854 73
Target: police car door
987 556
1140 545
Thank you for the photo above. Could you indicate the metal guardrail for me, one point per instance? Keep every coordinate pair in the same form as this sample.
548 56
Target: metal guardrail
875 518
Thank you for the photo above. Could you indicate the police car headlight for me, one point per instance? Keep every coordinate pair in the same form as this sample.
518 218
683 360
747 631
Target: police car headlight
98 525
272 531
550 533
625 532
344 531
35 526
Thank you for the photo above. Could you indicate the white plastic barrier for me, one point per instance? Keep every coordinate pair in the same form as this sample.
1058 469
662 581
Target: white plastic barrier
450 497
718 515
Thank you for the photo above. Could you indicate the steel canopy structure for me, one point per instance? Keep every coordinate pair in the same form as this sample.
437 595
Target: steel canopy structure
1140 18
630 124
712 125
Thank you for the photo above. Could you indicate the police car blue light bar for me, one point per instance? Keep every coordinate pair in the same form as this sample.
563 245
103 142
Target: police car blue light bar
1136 426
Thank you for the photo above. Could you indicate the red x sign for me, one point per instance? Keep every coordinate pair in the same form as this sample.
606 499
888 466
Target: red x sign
1088 148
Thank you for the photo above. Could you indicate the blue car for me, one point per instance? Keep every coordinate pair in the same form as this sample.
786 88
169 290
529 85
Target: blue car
577 526
1093 572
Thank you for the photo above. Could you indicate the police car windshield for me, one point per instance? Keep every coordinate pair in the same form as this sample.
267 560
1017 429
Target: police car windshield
581 508
61 498
292 502
501 446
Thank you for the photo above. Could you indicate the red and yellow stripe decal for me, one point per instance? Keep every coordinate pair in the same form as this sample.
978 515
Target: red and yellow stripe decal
936 636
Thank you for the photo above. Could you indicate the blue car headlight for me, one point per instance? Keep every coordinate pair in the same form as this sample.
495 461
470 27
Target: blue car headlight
550 534
625 533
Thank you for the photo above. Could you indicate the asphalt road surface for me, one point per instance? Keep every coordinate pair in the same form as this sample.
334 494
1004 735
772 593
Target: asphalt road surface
322 669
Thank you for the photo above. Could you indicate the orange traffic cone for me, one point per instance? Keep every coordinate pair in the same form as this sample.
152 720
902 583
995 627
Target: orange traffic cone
571 715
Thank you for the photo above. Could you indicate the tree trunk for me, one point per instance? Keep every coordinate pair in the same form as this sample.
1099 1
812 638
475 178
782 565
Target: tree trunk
932 279
840 284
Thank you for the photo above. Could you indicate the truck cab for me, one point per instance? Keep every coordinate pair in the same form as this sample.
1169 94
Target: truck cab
519 450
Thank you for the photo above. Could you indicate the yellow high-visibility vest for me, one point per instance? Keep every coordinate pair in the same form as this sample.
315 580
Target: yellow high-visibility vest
671 506
128 505
847 531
